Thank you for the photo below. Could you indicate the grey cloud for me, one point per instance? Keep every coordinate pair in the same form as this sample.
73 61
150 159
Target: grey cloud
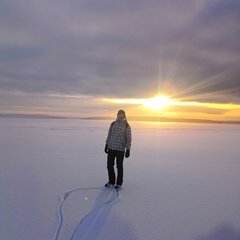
119 49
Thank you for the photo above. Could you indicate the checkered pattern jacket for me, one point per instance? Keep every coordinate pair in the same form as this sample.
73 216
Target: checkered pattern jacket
119 136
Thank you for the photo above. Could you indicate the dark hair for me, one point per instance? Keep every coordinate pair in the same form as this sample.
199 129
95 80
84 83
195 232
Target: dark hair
121 112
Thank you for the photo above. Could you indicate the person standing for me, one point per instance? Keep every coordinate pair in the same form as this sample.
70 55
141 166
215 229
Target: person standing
117 147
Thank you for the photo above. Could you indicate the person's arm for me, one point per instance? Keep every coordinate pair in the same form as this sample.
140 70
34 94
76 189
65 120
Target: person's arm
128 141
109 133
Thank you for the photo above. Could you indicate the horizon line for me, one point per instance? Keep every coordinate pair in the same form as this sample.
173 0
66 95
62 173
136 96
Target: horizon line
131 118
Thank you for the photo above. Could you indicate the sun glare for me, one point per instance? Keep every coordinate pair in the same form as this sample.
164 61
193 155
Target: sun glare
158 102
155 103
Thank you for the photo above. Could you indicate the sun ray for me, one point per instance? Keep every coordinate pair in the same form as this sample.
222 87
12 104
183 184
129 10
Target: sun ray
211 81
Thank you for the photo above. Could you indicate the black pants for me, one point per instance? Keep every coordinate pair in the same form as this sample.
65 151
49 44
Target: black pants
112 154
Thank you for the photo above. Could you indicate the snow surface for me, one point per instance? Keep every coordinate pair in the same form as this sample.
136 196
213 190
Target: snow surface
181 182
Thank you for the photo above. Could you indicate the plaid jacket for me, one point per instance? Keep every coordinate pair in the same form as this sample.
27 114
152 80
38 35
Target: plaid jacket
119 136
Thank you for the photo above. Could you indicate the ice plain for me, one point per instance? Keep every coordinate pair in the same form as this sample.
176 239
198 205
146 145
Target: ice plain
181 182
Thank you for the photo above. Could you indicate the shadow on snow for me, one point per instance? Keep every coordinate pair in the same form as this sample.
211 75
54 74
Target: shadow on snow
223 232
90 225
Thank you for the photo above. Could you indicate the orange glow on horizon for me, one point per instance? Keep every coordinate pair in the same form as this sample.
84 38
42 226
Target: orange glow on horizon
167 107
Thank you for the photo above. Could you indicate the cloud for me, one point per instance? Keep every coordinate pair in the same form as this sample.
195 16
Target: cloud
128 48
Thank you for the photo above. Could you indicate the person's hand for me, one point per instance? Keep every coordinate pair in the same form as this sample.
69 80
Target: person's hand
127 153
106 148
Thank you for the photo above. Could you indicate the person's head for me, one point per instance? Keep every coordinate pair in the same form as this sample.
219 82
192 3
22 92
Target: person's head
121 115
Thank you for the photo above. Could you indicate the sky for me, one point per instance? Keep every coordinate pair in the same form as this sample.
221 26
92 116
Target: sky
85 58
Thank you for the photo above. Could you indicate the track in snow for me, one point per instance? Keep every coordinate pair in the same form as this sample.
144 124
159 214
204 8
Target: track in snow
63 199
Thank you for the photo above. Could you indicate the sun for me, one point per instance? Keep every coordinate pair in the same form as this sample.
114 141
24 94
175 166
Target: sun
157 102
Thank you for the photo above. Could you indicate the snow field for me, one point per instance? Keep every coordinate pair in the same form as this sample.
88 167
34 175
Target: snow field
181 182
